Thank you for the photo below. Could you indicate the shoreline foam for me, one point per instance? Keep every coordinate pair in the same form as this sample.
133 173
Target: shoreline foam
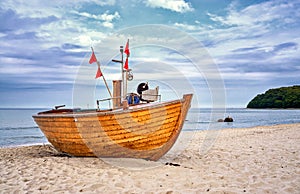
253 160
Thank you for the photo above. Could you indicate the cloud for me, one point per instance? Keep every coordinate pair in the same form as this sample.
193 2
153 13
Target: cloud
285 46
246 49
11 21
273 50
258 13
179 6
188 27
106 18
37 9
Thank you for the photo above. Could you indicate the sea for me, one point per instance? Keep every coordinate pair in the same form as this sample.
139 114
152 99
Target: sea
17 127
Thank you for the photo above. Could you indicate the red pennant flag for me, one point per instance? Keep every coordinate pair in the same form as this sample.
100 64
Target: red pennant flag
93 58
126 64
99 73
127 48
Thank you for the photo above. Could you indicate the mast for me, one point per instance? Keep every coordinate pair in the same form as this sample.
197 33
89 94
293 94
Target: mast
122 72
126 69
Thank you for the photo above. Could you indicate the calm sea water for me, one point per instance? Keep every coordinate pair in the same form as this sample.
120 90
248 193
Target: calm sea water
18 128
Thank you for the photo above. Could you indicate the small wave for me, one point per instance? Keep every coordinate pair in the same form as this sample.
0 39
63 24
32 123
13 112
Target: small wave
200 122
18 128
23 137
190 129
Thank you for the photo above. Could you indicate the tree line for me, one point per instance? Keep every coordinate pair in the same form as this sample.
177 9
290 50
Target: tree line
284 97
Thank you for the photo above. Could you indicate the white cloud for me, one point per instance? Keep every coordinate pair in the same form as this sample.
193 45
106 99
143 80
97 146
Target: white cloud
89 38
232 74
174 5
105 18
36 8
109 17
187 27
257 14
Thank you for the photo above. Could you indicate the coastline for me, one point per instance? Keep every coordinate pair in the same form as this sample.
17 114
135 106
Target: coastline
262 159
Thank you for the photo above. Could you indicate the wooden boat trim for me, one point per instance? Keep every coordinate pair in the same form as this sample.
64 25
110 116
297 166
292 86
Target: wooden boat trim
87 113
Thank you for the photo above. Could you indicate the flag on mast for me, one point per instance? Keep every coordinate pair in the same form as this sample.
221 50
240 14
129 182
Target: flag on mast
93 58
126 51
99 73
126 64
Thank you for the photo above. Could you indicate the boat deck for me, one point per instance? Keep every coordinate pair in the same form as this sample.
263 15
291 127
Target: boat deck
86 112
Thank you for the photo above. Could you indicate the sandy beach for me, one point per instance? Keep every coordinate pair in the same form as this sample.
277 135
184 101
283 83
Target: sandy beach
252 160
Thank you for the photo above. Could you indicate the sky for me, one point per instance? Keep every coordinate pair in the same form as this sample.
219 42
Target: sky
254 43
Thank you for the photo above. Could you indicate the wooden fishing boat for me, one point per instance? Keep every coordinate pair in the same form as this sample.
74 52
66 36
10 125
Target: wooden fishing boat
142 130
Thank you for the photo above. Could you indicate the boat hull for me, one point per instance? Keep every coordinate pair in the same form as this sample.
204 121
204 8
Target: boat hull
144 131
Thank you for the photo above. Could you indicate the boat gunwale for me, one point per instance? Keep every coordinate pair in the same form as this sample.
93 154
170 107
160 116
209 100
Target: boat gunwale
88 113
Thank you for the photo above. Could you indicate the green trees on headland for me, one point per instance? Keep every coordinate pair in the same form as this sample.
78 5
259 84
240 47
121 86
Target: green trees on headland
285 97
